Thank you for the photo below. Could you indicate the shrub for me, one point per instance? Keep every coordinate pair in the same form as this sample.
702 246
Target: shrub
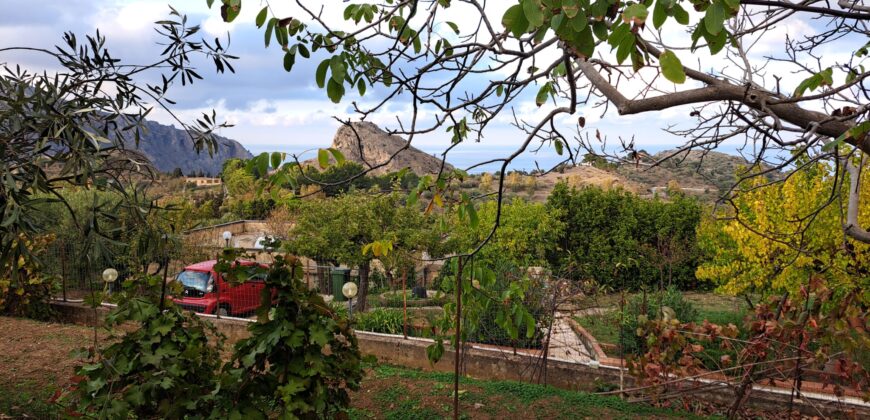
650 306
381 320
165 368
301 359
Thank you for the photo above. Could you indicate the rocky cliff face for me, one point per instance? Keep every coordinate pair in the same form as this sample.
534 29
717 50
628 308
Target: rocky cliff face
168 148
370 146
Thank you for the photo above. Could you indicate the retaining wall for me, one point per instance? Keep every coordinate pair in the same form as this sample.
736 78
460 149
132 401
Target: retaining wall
500 364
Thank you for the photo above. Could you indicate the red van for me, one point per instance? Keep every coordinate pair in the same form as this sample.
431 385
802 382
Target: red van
202 285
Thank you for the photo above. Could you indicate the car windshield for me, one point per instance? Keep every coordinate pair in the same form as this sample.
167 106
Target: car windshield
194 279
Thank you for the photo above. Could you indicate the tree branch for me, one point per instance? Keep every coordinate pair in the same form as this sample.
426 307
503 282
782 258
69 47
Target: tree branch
722 91
852 227
814 9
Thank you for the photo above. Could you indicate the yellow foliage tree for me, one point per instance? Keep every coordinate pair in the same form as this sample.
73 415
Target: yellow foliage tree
530 183
781 234
486 182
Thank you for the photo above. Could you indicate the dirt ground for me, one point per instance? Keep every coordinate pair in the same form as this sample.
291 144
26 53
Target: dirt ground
36 358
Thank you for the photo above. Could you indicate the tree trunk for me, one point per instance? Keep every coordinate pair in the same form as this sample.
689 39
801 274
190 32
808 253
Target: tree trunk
390 280
362 295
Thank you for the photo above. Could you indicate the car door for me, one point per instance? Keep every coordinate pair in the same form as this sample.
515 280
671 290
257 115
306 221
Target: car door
255 286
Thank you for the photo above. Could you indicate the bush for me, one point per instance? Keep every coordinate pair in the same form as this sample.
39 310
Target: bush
165 368
381 320
650 307
301 359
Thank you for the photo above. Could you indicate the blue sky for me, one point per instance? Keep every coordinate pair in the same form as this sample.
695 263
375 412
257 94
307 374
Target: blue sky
273 110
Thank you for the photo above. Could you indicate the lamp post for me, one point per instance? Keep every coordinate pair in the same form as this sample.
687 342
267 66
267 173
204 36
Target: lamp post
349 290
227 235
109 276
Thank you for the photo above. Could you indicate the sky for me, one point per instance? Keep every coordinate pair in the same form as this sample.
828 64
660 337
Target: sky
273 110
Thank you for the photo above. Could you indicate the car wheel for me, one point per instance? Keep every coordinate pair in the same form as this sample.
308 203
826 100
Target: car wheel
222 311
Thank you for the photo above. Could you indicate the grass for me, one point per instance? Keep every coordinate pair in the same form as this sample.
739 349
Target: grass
715 308
415 394
35 360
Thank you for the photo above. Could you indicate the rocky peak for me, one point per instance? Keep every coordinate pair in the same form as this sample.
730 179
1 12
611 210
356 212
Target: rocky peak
367 144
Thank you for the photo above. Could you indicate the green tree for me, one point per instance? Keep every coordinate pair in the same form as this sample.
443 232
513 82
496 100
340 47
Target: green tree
65 129
620 240
338 229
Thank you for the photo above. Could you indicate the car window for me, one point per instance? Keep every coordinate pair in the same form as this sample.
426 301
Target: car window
258 277
197 280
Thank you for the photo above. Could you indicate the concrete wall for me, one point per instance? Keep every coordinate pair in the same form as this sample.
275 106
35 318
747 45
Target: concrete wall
498 364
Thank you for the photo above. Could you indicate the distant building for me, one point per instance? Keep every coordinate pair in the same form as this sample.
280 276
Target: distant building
202 181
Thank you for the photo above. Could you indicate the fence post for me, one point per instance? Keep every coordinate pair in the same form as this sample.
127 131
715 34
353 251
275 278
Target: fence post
63 269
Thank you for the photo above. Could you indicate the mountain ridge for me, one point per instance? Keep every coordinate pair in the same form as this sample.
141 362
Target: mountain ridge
168 147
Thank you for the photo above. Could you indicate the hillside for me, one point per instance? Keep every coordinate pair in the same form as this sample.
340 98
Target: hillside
706 174
168 148
367 144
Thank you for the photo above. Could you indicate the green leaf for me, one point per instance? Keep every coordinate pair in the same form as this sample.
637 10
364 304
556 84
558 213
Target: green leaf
579 22
672 68
289 60
714 18
570 7
635 13
339 157
626 46
303 50
584 42
453 26
543 94
556 22
277 158
600 29
660 14
533 12
261 17
230 10
434 351
680 14
320 73
269 28
515 20
558 144
361 86
473 218
334 91
323 158
336 66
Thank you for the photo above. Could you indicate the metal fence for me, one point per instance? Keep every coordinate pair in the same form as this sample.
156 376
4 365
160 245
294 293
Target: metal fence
79 274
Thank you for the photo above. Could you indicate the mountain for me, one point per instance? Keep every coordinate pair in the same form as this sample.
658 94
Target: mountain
168 148
367 144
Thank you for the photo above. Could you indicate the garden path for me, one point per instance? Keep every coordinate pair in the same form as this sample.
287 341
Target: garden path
564 342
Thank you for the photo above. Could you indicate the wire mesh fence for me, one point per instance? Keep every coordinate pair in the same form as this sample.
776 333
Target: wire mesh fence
78 273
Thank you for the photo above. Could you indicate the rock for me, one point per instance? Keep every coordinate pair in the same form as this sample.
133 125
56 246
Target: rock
367 144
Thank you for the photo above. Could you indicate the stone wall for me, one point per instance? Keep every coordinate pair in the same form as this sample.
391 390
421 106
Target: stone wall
500 364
